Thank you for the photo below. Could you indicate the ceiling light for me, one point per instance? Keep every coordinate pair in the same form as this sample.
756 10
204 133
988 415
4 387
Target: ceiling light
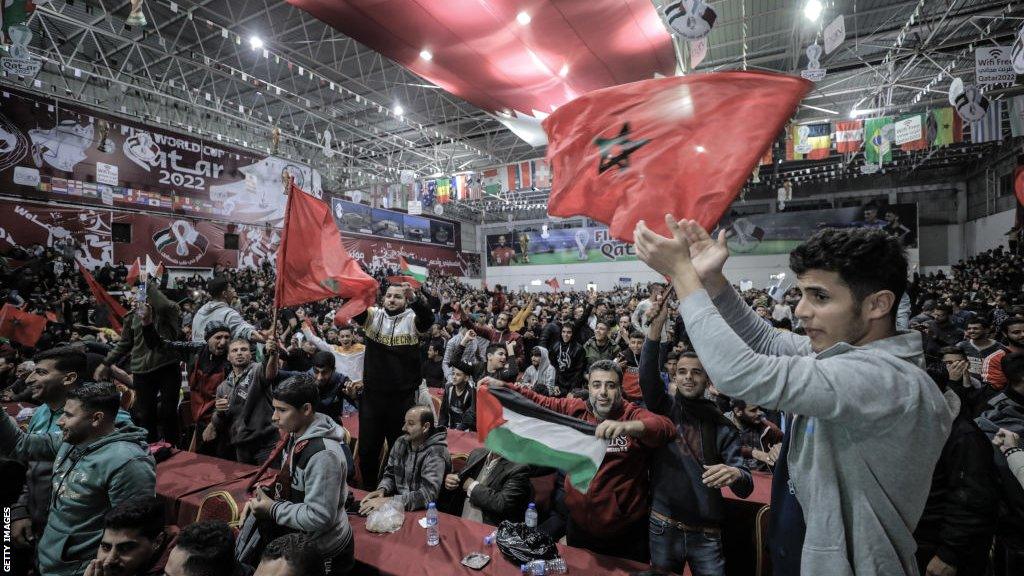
426 55
255 42
700 149
398 110
812 10
523 18
564 70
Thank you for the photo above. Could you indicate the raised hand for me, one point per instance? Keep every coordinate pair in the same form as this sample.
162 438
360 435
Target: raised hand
707 254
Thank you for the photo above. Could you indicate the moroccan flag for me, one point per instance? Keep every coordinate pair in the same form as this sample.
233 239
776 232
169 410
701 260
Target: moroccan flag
20 326
878 140
117 311
313 265
134 271
849 136
553 283
944 127
1018 185
526 433
683 144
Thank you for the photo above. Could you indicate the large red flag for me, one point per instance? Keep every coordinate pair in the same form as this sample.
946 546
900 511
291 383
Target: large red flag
20 326
313 265
117 311
683 145
553 283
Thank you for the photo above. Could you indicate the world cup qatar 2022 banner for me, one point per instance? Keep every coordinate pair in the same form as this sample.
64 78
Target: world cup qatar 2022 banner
54 151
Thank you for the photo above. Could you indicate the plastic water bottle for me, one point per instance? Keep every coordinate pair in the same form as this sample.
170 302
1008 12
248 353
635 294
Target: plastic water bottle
433 538
490 538
556 566
535 568
140 297
531 515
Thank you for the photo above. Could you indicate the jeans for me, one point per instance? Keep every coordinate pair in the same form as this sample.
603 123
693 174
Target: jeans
671 548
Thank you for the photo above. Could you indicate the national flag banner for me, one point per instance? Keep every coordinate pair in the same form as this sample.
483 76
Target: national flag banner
525 174
313 265
20 326
683 145
849 136
491 182
989 128
512 177
944 127
59 186
542 173
134 271
1017 116
910 133
766 158
553 283
462 186
442 190
117 311
415 272
878 140
525 433
811 141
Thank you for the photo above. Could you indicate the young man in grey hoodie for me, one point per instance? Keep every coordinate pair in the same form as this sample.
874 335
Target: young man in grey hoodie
540 375
866 425
313 502
219 310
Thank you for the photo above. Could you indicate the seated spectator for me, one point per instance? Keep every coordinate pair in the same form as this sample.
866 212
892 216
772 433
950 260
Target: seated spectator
1013 337
135 541
495 365
119 467
1007 412
313 500
290 555
458 403
611 517
203 549
494 488
977 345
954 534
540 374
757 434
416 465
942 329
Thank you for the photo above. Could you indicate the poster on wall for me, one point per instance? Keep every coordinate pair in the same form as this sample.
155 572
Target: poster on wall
74 154
781 232
81 233
177 242
442 233
387 224
556 246
416 228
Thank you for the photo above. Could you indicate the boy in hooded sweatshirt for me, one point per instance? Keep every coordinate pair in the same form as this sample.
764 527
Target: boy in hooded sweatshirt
97 464
311 491
540 375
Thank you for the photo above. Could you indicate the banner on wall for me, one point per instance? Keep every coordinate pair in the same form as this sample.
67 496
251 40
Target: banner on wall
78 232
353 218
775 233
54 151
178 243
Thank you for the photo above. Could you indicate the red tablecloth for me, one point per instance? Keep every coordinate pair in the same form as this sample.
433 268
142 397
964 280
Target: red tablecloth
762 493
12 408
405 553
184 479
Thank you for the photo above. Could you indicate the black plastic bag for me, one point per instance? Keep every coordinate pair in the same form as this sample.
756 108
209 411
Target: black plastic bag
521 544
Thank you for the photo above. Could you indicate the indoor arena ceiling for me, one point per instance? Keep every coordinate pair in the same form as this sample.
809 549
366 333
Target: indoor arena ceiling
198 65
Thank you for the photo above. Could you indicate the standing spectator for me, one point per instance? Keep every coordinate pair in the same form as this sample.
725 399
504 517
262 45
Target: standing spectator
757 434
117 460
432 371
348 354
992 367
570 362
496 364
503 335
600 347
458 403
540 374
977 345
219 311
155 372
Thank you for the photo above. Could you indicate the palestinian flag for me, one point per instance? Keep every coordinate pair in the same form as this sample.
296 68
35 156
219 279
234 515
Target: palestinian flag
526 433
415 273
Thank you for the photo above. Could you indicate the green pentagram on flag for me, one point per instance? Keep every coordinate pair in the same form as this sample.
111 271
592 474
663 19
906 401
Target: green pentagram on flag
624 146
331 284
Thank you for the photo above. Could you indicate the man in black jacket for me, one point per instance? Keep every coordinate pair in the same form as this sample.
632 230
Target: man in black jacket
496 364
955 532
569 360
494 488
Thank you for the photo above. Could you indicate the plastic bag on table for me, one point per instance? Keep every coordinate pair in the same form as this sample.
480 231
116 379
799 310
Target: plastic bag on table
521 544
387 518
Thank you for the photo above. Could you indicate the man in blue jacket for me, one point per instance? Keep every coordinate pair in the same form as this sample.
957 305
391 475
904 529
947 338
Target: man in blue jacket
687 507
97 464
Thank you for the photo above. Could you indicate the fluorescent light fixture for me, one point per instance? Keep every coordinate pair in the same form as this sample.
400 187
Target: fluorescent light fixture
523 18
564 70
255 42
426 55
813 9
398 110
700 149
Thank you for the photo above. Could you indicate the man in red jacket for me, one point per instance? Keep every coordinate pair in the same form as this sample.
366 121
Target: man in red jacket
611 517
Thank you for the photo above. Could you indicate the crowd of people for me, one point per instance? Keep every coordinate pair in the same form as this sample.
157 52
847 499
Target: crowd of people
893 451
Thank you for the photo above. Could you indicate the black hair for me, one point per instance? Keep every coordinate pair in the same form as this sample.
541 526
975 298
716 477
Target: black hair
492 348
298 551
944 307
737 404
142 513
1013 369
324 359
98 397
210 547
951 350
688 354
297 391
605 366
67 359
635 334
1011 321
217 286
673 355
867 260
978 320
